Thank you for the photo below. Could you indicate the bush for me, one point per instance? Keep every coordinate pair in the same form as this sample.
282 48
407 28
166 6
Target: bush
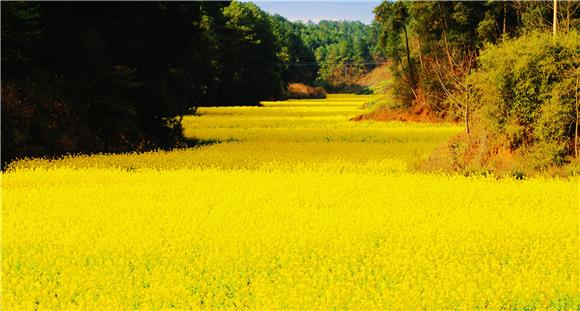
524 96
37 123
301 91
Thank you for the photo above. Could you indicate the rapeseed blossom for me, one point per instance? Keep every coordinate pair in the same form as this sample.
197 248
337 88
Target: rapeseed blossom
339 223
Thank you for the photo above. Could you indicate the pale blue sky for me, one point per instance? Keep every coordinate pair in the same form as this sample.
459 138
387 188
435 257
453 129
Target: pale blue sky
318 10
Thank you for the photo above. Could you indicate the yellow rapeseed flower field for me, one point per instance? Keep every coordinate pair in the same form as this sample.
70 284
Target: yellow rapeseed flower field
296 208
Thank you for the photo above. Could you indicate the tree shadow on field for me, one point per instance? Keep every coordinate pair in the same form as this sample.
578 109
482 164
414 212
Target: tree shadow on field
196 142
183 143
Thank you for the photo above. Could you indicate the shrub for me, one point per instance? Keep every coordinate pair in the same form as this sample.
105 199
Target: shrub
300 91
37 123
524 94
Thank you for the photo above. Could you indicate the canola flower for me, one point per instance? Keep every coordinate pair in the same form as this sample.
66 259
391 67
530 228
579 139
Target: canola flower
315 231
249 137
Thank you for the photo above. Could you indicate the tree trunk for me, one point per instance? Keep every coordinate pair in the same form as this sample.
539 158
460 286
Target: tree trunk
467 118
568 17
555 19
411 71
577 119
504 16
421 56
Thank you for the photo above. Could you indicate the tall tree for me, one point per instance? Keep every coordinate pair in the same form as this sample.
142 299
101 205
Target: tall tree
395 18
254 72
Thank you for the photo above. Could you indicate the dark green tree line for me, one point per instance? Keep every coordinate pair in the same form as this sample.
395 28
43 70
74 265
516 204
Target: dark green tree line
85 77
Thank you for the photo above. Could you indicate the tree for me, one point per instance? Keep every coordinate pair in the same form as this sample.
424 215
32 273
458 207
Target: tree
342 49
297 62
394 18
250 45
555 19
94 77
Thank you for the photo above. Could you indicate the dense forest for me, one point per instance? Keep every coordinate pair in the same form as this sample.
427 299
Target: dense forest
103 77
509 70
344 50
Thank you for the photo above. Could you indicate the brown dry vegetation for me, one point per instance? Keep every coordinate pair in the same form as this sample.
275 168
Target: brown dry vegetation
388 108
483 153
386 113
303 91
375 78
467 153
480 152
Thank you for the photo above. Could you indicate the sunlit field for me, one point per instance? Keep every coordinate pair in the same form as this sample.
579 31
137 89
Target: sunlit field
291 206
306 132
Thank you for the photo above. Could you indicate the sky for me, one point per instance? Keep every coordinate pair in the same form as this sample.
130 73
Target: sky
316 11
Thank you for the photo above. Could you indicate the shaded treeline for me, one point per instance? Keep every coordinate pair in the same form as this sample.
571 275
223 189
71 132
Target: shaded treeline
498 66
109 77
79 77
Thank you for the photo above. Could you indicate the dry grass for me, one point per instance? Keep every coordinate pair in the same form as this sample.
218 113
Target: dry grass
376 78
303 91
482 152
390 107
387 110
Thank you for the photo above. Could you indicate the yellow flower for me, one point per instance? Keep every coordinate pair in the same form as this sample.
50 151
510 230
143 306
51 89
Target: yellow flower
297 208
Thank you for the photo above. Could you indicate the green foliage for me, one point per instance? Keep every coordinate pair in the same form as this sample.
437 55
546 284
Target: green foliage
526 90
330 54
534 16
297 61
344 50
519 107
432 46
253 59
